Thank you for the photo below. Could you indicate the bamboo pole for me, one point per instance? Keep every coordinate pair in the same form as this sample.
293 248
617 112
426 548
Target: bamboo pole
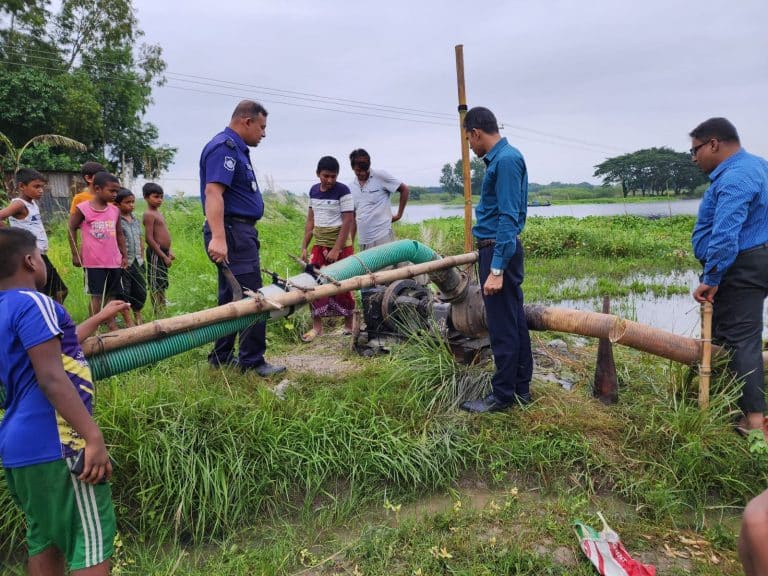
705 368
464 149
620 331
159 328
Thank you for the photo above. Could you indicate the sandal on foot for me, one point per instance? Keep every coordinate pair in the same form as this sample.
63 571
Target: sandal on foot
309 336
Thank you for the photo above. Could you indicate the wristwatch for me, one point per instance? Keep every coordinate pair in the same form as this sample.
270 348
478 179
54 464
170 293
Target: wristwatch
497 271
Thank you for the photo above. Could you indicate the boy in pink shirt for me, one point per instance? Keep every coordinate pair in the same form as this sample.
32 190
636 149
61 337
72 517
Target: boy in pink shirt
103 252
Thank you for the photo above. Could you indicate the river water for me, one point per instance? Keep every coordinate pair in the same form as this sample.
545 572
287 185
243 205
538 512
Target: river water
418 213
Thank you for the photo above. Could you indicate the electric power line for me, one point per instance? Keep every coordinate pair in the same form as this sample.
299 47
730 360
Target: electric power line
388 112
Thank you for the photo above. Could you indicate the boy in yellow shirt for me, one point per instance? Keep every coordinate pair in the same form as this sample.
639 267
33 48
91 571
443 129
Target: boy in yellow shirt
87 171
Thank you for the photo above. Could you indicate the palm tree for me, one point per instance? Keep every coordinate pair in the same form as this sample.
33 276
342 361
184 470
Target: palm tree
14 154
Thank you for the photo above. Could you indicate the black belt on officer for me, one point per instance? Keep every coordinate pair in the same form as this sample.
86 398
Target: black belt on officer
485 242
240 220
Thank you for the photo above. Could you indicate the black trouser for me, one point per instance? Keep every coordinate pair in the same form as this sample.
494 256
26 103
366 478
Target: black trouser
243 250
507 328
737 322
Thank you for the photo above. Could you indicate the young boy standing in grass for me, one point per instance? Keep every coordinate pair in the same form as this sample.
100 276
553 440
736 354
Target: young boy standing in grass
134 283
46 391
330 219
103 243
159 253
23 212
87 171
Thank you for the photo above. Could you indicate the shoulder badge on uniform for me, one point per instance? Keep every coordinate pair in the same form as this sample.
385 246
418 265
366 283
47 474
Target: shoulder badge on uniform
229 163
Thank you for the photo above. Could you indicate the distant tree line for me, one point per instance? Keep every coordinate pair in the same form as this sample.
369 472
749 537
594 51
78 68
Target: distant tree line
533 187
78 69
452 183
651 172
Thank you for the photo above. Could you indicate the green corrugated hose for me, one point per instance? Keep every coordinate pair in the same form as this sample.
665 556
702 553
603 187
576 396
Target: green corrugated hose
131 357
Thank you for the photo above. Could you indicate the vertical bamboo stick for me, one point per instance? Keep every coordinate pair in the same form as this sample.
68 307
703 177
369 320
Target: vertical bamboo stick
705 368
464 149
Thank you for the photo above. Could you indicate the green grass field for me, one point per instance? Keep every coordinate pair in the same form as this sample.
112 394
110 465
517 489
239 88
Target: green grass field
371 471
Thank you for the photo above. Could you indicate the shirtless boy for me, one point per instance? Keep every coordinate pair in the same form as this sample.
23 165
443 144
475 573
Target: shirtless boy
159 253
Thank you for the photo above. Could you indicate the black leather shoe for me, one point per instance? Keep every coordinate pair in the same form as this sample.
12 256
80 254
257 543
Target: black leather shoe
488 404
265 370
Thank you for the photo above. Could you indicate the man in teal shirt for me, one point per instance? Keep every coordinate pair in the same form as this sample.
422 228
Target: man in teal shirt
501 216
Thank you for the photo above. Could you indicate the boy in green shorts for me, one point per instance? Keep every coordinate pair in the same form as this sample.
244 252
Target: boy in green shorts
47 432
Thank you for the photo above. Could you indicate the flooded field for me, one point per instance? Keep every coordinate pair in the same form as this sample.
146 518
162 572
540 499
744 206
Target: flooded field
671 311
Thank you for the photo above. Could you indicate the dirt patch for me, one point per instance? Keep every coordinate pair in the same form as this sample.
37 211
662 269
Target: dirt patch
327 355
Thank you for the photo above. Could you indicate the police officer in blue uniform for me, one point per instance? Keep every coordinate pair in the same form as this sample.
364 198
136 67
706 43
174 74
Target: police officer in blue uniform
232 204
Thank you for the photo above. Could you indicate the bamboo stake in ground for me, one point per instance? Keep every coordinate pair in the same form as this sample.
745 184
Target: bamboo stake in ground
464 149
606 383
705 368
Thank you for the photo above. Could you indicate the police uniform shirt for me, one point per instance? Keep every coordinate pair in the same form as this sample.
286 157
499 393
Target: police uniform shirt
226 160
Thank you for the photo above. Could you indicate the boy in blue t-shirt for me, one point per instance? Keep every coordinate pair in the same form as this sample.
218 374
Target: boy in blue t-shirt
47 432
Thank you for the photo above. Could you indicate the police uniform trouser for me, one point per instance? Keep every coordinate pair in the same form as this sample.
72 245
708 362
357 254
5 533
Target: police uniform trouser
507 328
243 253
737 322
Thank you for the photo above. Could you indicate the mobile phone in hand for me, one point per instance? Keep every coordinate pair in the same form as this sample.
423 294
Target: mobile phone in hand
77 467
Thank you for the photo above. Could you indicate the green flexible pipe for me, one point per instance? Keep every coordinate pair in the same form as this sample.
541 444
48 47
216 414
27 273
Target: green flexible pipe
132 357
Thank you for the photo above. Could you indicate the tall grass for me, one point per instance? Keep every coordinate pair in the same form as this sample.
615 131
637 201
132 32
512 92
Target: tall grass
687 461
438 383
195 461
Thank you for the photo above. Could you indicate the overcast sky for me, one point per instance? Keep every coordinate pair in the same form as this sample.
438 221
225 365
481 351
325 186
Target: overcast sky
573 82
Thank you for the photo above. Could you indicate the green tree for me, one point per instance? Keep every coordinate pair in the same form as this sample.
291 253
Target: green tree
84 74
477 173
24 17
651 171
452 177
448 180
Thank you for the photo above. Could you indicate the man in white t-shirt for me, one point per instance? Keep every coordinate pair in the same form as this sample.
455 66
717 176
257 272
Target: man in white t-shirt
371 190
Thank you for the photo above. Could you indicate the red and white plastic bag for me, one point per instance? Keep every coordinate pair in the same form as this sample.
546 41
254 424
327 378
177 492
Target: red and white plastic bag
606 552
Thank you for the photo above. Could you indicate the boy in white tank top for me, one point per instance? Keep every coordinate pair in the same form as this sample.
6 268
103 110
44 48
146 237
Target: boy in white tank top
24 212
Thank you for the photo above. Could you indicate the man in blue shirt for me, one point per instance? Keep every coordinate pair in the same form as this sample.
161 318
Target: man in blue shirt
232 204
500 217
730 240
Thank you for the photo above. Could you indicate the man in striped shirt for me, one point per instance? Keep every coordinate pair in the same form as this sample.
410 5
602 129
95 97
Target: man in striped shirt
730 239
